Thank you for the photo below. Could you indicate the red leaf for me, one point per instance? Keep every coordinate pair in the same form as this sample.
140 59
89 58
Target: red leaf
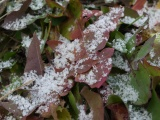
95 103
139 4
34 60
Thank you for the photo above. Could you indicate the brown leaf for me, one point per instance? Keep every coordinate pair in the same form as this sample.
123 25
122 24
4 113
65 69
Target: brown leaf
95 102
34 60
16 14
119 111
12 108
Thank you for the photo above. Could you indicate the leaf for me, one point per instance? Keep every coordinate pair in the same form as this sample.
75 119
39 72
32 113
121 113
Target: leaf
153 70
53 4
3 112
73 103
63 114
139 4
12 108
75 8
131 46
119 111
34 60
130 12
112 99
13 16
3 5
71 29
95 103
145 49
154 105
140 81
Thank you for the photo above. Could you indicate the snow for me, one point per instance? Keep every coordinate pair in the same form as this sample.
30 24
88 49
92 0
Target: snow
138 113
82 114
120 84
153 15
43 89
9 117
6 64
26 40
120 62
120 45
108 1
20 23
14 5
65 52
137 22
103 24
37 4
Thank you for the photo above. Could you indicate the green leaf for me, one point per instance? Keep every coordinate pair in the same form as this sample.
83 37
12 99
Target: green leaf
63 114
153 70
130 12
8 55
53 4
131 46
73 103
154 105
112 99
75 8
140 81
145 49
119 35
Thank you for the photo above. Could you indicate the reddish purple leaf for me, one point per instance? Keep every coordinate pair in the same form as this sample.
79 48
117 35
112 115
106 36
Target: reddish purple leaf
16 14
53 43
34 60
95 103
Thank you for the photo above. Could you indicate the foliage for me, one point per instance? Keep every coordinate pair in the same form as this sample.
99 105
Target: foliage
82 60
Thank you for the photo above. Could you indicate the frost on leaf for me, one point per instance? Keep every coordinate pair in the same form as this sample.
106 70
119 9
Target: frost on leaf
96 35
15 15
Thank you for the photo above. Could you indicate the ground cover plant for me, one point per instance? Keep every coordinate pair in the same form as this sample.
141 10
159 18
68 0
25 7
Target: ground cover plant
80 60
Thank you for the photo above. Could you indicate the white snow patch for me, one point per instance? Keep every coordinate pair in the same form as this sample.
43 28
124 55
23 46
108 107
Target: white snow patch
138 113
6 64
120 85
82 114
